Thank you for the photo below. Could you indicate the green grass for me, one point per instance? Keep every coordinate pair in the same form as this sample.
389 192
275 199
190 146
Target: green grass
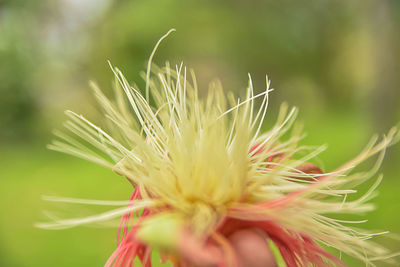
28 173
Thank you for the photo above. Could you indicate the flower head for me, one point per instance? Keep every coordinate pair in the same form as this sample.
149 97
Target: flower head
202 169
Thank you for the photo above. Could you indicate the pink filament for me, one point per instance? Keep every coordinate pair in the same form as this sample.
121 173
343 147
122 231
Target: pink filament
128 246
128 250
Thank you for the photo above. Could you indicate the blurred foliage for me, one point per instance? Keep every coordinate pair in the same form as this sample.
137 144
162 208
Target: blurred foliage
336 60
17 103
321 55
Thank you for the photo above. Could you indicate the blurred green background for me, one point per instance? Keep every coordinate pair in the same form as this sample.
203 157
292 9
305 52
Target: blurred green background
338 61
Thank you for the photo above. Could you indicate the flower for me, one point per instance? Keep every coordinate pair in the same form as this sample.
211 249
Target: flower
202 169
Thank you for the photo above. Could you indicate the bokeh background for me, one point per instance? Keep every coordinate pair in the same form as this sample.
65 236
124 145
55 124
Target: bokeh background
338 61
